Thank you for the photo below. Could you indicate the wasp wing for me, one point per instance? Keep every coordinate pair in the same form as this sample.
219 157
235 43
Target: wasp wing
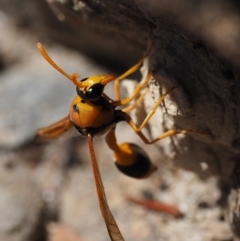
110 222
55 130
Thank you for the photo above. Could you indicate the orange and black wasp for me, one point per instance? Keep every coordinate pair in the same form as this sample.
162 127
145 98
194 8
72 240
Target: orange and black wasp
94 113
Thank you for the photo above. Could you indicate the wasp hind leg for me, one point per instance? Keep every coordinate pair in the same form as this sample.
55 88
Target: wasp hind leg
130 158
169 133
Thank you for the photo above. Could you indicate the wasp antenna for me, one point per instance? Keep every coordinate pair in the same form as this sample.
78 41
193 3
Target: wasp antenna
72 77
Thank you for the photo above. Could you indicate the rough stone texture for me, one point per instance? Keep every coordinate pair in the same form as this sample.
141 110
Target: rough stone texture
207 101
21 207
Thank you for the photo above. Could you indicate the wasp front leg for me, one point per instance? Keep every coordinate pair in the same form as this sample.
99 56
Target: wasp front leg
55 130
135 93
129 158
129 72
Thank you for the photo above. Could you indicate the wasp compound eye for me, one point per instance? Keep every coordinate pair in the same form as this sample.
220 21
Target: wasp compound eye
93 93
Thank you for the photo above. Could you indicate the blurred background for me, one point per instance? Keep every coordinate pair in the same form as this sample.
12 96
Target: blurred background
47 189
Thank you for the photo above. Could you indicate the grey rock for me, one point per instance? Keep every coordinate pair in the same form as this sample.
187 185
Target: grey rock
21 215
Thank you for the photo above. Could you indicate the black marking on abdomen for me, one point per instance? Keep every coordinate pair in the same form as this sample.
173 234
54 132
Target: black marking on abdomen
140 168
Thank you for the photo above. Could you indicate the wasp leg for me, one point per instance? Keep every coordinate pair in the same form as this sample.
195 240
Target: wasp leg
55 130
168 133
110 222
135 104
129 158
129 72
151 113
135 93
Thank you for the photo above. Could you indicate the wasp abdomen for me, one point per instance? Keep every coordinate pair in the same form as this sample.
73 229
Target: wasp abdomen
133 161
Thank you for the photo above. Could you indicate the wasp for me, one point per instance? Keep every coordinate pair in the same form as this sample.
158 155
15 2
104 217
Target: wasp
94 113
